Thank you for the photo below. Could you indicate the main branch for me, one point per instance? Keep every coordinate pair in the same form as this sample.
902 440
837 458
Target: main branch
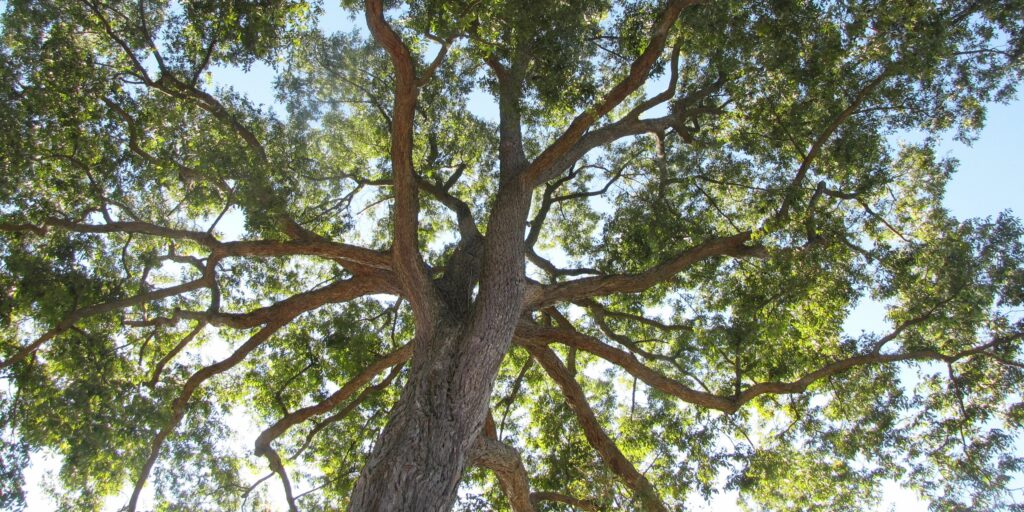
408 261
541 168
734 245
593 431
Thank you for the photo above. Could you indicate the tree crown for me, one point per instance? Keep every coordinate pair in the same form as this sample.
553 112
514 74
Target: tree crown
710 189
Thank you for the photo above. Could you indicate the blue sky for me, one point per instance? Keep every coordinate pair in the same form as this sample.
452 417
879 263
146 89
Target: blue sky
990 178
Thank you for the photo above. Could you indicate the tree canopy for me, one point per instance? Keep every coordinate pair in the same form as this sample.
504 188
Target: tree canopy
626 292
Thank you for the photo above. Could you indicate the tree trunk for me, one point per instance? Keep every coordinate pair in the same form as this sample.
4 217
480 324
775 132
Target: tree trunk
419 458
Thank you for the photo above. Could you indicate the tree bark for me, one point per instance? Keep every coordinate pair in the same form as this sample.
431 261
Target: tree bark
508 467
419 458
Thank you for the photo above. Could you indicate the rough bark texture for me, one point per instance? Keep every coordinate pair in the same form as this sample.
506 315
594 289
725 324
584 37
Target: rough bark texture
507 465
419 458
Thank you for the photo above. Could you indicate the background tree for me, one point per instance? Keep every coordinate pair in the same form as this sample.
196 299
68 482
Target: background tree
629 290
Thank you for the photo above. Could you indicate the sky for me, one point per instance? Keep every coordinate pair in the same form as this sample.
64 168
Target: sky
989 181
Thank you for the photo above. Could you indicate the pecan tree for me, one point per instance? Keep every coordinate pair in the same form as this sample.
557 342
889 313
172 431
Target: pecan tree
558 255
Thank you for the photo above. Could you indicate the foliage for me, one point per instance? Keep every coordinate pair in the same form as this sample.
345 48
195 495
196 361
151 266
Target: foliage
177 260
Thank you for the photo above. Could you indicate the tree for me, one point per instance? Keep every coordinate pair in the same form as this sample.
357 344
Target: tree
628 290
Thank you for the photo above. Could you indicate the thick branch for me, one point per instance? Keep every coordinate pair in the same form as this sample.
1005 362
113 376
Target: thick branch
629 283
593 431
533 335
136 227
507 465
585 505
463 215
190 387
511 155
625 127
537 171
350 256
408 261
339 291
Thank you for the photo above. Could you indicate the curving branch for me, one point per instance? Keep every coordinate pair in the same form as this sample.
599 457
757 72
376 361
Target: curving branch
547 266
734 245
595 434
263 446
352 289
136 227
549 199
186 173
442 193
398 357
546 202
76 316
533 335
190 387
625 127
536 337
169 84
585 505
278 467
600 312
463 214
442 53
823 138
353 257
408 261
507 465
349 407
159 367
374 277
543 167
600 316
800 385
339 291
